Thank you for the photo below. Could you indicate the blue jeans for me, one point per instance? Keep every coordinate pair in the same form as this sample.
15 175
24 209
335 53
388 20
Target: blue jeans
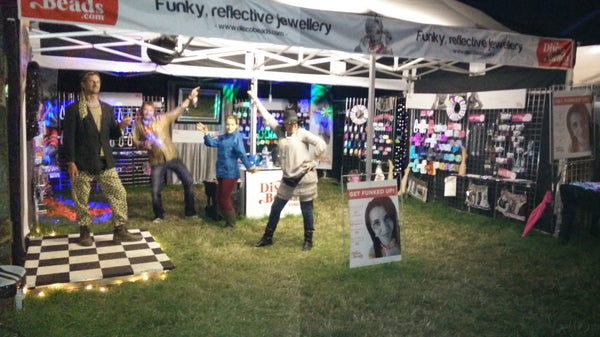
157 176
278 204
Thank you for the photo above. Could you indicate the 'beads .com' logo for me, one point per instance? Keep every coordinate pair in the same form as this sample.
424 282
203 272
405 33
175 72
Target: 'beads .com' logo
555 53
89 11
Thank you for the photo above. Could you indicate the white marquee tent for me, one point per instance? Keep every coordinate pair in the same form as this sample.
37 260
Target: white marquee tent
275 40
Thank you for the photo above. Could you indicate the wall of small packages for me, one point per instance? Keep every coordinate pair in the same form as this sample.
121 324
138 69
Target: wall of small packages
484 146
505 155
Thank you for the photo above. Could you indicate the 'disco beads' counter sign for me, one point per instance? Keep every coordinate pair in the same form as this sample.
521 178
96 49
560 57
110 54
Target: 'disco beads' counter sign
260 191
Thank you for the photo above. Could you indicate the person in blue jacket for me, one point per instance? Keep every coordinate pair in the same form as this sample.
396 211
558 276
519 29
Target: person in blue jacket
230 148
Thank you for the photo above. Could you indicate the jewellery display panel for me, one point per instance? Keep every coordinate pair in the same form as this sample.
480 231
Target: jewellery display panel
494 153
390 130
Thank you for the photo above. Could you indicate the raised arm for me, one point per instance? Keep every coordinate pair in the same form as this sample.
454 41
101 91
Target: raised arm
208 140
266 115
261 108
173 114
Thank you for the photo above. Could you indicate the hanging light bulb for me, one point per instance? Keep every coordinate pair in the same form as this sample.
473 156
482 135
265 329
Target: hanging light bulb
270 89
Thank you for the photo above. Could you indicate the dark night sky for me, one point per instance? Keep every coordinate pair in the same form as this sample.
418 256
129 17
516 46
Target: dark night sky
575 19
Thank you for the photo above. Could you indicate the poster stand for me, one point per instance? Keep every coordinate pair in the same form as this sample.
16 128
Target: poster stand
375 218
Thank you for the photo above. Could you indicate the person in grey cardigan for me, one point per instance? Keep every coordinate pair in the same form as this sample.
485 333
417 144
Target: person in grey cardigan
299 174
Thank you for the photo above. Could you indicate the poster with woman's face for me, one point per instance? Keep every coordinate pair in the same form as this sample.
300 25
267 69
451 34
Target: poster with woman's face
571 123
374 222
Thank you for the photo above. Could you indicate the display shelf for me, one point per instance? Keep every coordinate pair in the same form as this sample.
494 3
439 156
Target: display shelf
132 165
511 198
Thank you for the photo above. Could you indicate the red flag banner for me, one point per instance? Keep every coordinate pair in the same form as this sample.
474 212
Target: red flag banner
103 12
552 53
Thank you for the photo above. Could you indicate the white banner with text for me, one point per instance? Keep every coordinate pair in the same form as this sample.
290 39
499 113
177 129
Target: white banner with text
269 22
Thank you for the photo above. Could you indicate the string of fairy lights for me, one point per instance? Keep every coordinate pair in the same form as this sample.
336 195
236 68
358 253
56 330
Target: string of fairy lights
401 137
101 286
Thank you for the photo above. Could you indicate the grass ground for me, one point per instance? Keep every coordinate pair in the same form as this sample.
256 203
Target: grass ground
461 275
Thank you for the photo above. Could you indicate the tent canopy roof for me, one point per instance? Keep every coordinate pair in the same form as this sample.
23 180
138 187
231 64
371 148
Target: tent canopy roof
122 51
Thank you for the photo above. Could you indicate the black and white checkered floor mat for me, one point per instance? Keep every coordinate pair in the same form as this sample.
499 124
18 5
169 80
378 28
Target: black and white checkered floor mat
55 260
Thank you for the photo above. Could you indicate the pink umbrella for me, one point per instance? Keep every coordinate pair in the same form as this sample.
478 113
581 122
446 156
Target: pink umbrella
537 213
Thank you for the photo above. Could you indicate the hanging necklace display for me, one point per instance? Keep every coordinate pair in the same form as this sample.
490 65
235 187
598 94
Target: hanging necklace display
385 104
456 108
359 114
119 115
61 114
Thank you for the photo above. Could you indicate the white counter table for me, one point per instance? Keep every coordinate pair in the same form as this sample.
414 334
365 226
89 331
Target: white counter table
258 191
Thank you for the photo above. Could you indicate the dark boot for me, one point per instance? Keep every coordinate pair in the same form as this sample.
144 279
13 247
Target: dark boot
121 234
229 219
267 238
210 189
85 239
308 238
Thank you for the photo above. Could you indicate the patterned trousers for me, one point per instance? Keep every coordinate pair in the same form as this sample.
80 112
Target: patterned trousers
113 190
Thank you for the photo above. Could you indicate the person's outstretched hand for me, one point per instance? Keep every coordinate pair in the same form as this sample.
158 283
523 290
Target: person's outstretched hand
201 127
125 122
194 94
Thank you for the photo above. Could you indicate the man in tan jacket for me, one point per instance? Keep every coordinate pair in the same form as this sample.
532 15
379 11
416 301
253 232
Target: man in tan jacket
152 134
